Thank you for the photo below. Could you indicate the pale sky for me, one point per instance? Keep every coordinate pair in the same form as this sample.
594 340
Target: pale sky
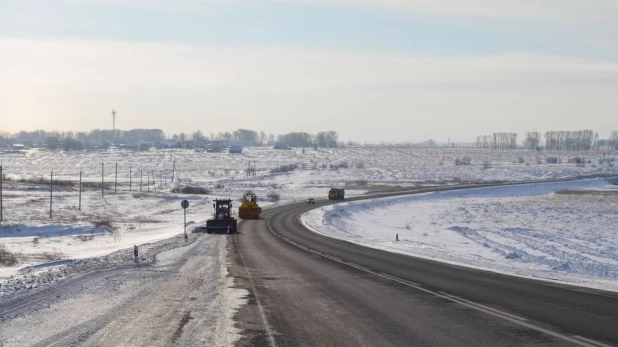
374 70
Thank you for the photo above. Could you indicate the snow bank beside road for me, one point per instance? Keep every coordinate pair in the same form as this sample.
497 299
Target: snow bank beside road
521 230
187 280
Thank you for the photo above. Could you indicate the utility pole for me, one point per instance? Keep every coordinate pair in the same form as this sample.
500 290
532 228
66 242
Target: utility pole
102 179
114 124
173 170
51 190
1 182
80 190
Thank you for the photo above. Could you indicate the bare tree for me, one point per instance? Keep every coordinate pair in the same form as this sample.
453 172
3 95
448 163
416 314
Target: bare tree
198 136
613 139
532 140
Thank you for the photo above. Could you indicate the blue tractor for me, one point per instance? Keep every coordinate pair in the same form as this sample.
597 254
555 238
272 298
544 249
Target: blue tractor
222 220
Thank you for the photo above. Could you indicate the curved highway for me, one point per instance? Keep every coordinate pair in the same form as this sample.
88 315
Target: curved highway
310 290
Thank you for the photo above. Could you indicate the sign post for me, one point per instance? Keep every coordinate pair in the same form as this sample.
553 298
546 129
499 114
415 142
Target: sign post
1 176
185 205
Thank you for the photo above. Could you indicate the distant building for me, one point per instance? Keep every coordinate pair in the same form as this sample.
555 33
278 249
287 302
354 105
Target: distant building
18 147
236 149
242 143
281 145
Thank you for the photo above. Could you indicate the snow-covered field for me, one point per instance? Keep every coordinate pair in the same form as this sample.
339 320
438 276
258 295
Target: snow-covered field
566 231
226 173
117 221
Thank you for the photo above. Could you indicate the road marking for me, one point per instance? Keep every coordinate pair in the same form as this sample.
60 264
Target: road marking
397 279
359 267
269 332
483 306
578 340
333 258
591 341
57 341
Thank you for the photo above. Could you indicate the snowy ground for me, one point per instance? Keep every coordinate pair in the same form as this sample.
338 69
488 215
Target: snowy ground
530 230
225 173
145 214
107 307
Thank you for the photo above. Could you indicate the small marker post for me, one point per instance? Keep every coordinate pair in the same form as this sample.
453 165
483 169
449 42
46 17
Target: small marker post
135 254
185 204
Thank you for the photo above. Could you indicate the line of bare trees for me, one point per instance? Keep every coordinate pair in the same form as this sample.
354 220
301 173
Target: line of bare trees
69 140
580 140
326 139
497 141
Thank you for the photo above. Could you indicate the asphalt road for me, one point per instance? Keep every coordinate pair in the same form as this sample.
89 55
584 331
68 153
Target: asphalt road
309 290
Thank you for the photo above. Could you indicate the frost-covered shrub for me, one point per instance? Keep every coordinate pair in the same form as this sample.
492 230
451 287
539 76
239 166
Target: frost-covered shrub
191 190
105 224
284 168
577 160
7 258
463 161
274 195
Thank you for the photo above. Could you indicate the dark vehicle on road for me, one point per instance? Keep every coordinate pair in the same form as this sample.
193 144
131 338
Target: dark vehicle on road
222 220
336 194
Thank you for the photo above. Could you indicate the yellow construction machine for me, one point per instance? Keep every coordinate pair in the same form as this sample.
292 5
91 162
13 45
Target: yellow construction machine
249 208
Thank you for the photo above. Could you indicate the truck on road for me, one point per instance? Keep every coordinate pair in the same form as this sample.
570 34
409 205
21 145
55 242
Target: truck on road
336 194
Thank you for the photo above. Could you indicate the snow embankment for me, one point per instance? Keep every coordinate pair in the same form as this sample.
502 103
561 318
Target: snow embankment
526 230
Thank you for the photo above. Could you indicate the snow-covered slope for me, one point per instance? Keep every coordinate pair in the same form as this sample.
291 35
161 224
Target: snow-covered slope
526 230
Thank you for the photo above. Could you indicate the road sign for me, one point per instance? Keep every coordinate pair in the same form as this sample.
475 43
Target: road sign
185 205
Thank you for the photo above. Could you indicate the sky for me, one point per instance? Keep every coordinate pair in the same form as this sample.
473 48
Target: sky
373 70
